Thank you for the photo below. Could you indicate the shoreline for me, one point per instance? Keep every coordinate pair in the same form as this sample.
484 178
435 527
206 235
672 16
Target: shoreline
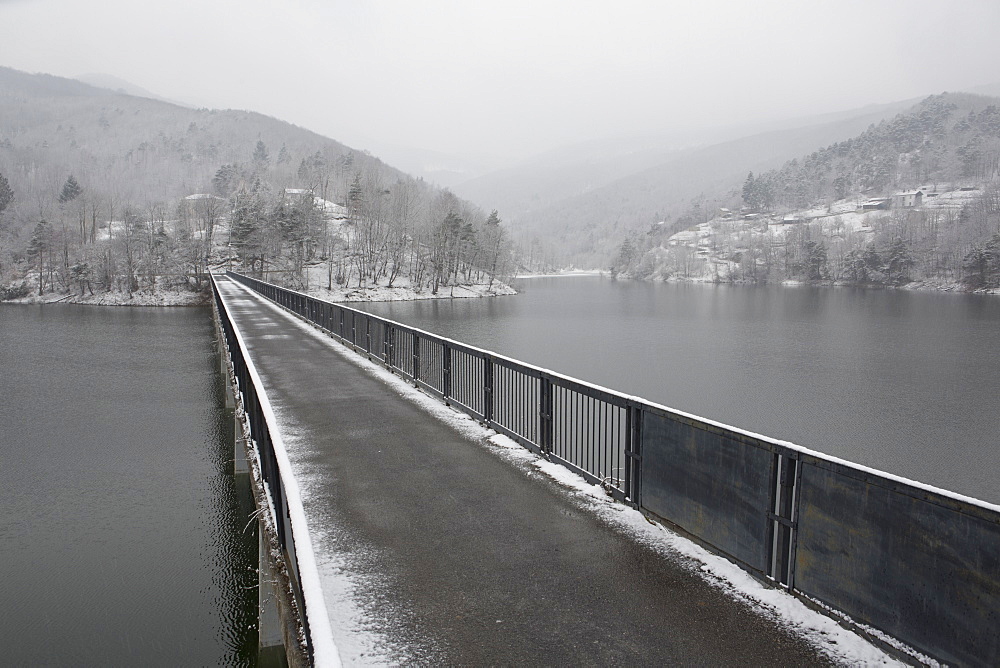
912 286
173 298
475 291
566 274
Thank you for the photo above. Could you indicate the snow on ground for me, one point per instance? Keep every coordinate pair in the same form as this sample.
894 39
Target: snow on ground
823 632
565 273
115 298
837 208
952 199
332 210
318 279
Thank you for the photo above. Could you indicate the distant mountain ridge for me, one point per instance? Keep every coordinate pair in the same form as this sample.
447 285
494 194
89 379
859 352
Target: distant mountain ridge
150 148
118 85
582 199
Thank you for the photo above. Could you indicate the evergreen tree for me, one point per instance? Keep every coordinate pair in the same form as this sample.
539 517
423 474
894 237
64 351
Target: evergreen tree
624 257
260 155
898 262
841 187
758 194
873 261
40 243
70 190
283 157
855 267
816 261
6 194
981 265
355 198
226 180
748 190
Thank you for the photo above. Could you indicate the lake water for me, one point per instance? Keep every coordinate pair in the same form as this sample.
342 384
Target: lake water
122 527
906 382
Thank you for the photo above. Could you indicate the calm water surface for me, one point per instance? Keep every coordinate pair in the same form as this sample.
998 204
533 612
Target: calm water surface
122 528
906 382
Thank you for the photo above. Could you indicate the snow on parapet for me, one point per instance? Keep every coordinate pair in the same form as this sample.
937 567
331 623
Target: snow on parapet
325 651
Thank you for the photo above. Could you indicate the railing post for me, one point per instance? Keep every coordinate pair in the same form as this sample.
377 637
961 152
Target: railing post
487 389
787 473
633 455
545 417
446 370
387 344
368 336
416 357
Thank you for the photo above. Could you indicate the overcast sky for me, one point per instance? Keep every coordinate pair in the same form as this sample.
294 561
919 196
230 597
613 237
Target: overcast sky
511 76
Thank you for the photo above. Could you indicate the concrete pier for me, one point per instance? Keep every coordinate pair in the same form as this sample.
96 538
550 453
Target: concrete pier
270 644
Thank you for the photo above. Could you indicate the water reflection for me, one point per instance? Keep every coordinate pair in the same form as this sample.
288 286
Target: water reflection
122 526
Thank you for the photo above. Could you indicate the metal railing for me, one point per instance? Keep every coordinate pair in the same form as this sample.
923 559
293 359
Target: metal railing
586 428
261 434
916 562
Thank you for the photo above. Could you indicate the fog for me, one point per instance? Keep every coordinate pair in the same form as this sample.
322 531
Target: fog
512 78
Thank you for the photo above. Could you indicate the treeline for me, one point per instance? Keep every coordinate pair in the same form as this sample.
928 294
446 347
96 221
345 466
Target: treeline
384 233
74 249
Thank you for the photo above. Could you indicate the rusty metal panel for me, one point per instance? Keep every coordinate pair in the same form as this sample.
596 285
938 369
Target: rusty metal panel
920 566
710 484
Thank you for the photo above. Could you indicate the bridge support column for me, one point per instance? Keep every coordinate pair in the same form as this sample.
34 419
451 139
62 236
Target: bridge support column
240 464
270 648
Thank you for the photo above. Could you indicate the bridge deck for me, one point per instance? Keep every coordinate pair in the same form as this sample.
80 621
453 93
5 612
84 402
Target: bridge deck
434 549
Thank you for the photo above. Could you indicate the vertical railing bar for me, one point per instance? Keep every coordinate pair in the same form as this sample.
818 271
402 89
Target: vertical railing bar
488 389
416 357
446 371
794 517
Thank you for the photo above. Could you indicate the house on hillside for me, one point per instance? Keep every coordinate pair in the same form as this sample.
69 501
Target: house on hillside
294 196
908 199
876 204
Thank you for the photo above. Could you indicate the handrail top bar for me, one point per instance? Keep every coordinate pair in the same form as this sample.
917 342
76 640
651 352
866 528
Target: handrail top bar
640 402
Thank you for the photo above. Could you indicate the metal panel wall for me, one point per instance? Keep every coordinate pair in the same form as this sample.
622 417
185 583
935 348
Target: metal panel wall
711 484
920 566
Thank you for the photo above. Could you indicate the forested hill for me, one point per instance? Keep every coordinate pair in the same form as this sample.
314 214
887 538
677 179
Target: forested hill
85 172
914 199
146 150
945 138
